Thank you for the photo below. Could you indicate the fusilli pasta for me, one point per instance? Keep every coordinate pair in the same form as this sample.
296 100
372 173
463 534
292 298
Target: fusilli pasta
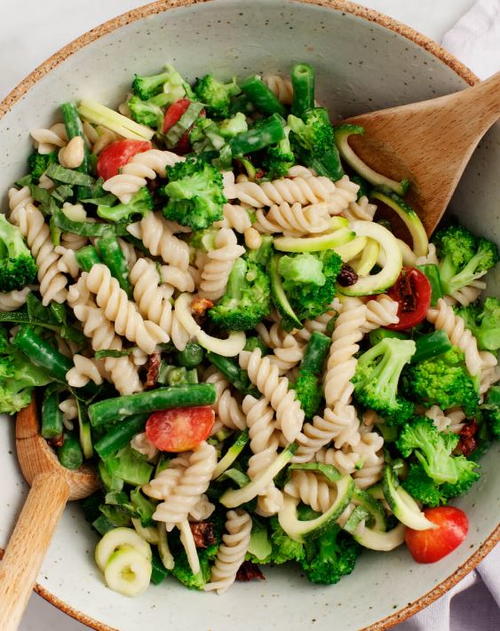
294 220
226 406
13 300
158 238
84 370
220 260
280 86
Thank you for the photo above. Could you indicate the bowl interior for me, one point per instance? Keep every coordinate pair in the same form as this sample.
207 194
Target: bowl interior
360 66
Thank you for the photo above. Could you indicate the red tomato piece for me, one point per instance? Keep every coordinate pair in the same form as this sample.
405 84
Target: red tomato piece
428 546
117 154
180 429
412 291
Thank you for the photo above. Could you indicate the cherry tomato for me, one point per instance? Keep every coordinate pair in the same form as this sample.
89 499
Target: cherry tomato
172 115
180 429
117 154
428 546
412 291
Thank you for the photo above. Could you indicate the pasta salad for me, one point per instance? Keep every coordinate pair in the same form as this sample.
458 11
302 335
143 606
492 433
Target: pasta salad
201 297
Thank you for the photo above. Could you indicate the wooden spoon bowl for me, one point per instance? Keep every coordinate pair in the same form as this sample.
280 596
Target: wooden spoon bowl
52 486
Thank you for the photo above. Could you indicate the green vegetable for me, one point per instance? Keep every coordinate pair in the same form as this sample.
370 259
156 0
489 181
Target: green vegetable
463 257
254 342
17 265
110 411
42 353
180 127
129 466
52 417
196 195
68 176
39 162
261 96
279 158
246 300
433 450
70 453
215 95
260 548
432 273
303 79
88 228
308 386
140 204
401 504
176 375
430 345
191 356
236 376
284 548
120 436
169 82
231 454
313 142
289 319
101 115
74 128
491 410
443 380
87 257
377 376
264 133
149 112
484 322
377 335
110 252
233 126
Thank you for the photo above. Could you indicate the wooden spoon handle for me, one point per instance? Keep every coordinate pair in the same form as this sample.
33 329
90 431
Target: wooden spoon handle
479 105
28 545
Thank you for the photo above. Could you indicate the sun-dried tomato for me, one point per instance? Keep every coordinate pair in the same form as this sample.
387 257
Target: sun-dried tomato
249 572
152 370
467 443
200 305
203 533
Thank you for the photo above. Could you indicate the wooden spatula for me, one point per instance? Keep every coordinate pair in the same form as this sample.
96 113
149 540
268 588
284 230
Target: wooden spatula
51 487
429 143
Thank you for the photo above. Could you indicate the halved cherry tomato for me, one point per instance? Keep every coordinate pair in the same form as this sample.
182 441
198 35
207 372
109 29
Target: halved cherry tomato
180 429
117 154
428 546
412 291
172 115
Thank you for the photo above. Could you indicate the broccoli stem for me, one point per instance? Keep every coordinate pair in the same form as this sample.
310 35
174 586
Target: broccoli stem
111 254
261 96
52 418
112 410
236 376
269 131
303 83
316 352
431 345
87 257
70 453
120 436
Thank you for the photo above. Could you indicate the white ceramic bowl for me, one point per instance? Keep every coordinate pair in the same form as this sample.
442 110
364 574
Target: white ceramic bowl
364 61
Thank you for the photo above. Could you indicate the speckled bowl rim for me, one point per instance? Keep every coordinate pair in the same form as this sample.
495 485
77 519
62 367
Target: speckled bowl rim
341 5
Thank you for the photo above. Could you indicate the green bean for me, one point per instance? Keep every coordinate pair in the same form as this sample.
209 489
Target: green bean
111 410
87 257
191 356
434 278
316 352
120 436
430 345
74 128
41 353
266 132
377 335
236 376
112 255
52 417
303 80
70 453
261 96
85 433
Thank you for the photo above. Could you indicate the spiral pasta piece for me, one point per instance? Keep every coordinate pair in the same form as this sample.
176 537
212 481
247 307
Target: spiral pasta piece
466 295
450 421
231 553
182 280
202 509
235 217
490 374
122 312
345 193
70 412
84 370
294 219
226 407
341 364
343 459
13 300
122 371
220 260
129 252
142 167
142 444
158 238
47 140
360 209
288 351
380 311
165 482
67 263
265 375
264 445
305 191
193 483
444 319
311 489
151 298
71 241
319 324
430 258
370 463
280 86
32 225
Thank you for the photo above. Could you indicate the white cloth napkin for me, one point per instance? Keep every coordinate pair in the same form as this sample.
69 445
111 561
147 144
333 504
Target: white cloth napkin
475 38
473 604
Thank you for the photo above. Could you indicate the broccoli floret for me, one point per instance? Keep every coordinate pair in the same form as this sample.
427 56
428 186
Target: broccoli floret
233 126
205 135
140 204
284 548
442 380
279 158
18 377
308 392
463 257
184 575
309 281
38 163
314 144
491 409
433 449
330 556
484 322
17 265
253 342
423 488
215 95
146 112
170 82
247 299
262 254
377 377
196 194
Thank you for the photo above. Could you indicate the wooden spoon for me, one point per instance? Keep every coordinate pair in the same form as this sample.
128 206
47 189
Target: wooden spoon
429 143
51 487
